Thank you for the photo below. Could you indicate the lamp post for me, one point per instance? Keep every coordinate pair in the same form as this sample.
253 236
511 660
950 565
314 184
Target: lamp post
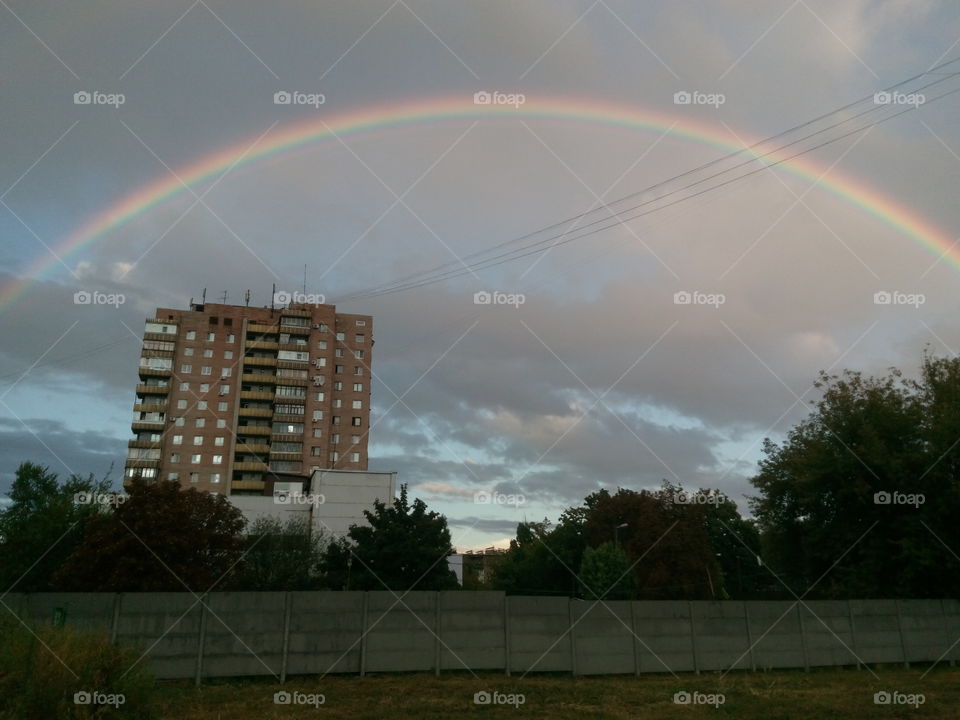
616 533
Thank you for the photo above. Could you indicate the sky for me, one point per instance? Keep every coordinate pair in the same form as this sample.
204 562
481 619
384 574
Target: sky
186 171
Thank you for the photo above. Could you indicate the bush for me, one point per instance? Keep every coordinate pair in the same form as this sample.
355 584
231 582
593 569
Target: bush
49 672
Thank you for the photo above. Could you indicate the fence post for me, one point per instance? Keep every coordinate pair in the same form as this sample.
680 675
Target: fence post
201 639
946 623
506 634
746 620
570 631
115 625
903 639
287 603
693 638
853 633
436 633
803 638
636 638
365 607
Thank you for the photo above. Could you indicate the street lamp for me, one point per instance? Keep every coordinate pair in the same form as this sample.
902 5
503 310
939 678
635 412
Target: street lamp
616 533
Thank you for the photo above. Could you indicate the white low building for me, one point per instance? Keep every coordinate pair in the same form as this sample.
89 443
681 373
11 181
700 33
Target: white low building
330 500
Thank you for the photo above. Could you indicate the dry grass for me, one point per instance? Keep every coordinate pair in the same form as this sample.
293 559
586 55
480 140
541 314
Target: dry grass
839 694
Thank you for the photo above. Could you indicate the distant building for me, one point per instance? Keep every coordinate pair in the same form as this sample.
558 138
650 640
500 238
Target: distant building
230 395
329 500
474 568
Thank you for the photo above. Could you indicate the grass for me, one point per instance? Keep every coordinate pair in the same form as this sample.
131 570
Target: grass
828 694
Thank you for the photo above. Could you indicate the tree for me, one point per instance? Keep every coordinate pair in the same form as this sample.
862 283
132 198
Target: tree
280 556
43 524
540 561
404 547
162 538
605 574
861 497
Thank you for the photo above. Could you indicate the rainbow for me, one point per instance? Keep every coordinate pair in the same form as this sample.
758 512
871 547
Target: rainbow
396 116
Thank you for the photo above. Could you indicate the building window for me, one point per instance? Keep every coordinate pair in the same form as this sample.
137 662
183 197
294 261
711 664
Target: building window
293 355
334 455
221 407
231 338
221 423
200 422
356 422
358 354
357 370
211 336
198 440
228 322
214 478
338 369
318 396
318 432
337 403
317 415
336 419
218 441
194 459
186 368
208 353
354 439
335 439
181 404
338 385
322 344
358 337
174 457
224 389
361 323
315 450
213 320
201 405
191 335
206 370
320 362
184 386
178 439
218 459
358 387
338 352
340 337
173 476
358 404
228 354
194 477
204 388
354 457
323 328
188 352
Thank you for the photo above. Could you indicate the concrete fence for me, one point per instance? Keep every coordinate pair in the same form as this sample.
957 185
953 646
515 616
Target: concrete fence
276 633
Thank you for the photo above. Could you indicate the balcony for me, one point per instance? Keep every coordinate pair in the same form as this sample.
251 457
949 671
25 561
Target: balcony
264 361
285 437
142 464
149 444
144 425
252 448
254 429
261 328
257 395
256 412
259 378
150 406
144 389
293 381
167 337
296 329
146 372
247 485
150 353
296 347
250 466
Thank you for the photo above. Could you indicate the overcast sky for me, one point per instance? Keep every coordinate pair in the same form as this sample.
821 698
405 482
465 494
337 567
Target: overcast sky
599 379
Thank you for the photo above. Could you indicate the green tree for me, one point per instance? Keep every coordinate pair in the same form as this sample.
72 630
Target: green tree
162 538
43 524
821 509
404 547
540 561
280 556
605 574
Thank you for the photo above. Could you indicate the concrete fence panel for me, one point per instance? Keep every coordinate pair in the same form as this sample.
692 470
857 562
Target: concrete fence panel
326 632
401 631
540 640
663 634
472 632
775 634
244 634
166 626
603 638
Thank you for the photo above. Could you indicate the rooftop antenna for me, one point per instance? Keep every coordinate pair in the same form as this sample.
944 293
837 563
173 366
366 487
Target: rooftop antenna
246 297
304 278
204 300
273 296
224 297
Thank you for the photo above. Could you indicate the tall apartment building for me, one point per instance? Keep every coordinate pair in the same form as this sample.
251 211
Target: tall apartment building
229 395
